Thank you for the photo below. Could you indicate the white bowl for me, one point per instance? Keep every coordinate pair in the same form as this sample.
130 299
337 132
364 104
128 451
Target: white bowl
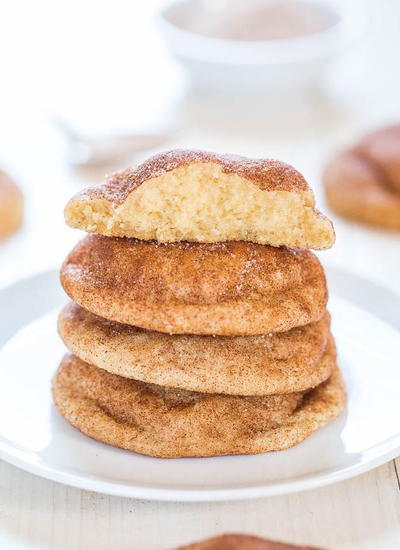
232 66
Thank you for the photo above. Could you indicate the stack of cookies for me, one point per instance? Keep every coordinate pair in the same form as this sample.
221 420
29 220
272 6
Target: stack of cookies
198 325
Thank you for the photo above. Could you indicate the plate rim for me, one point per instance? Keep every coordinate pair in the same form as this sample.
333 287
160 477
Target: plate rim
21 458
146 492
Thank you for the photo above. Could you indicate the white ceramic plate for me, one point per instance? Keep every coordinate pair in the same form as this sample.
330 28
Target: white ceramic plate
36 438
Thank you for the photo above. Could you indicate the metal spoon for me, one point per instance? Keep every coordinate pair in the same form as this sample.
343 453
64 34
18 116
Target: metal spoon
103 151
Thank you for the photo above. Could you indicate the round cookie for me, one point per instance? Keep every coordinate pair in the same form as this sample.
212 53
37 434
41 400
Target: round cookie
234 288
382 149
11 206
197 196
236 541
355 189
169 423
274 363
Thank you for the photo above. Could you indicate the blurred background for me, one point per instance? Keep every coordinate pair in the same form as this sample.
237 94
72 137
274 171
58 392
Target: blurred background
90 87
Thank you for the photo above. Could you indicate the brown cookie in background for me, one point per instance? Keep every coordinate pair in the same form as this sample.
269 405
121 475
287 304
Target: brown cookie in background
382 148
363 183
11 206
242 542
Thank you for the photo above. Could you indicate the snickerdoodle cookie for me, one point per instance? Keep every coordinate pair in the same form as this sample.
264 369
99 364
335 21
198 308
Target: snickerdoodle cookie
273 363
184 195
236 541
164 422
11 206
382 148
354 189
233 288
363 183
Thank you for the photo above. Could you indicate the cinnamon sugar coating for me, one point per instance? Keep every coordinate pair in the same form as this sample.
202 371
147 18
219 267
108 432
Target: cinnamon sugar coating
198 196
169 423
267 174
242 542
233 288
357 189
282 362
381 148
11 206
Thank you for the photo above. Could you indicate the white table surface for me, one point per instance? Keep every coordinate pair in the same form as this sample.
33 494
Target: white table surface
363 513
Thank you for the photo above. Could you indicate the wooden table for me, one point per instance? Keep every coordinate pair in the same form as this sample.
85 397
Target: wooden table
362 513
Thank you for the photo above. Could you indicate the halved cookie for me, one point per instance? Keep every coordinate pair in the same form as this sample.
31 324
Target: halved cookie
198 196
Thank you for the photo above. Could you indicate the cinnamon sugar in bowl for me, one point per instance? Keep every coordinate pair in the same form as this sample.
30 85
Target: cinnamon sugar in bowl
259 45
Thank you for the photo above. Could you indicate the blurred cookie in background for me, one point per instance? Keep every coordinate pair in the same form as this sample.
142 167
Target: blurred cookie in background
11 206
242 542
382 148
363 183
